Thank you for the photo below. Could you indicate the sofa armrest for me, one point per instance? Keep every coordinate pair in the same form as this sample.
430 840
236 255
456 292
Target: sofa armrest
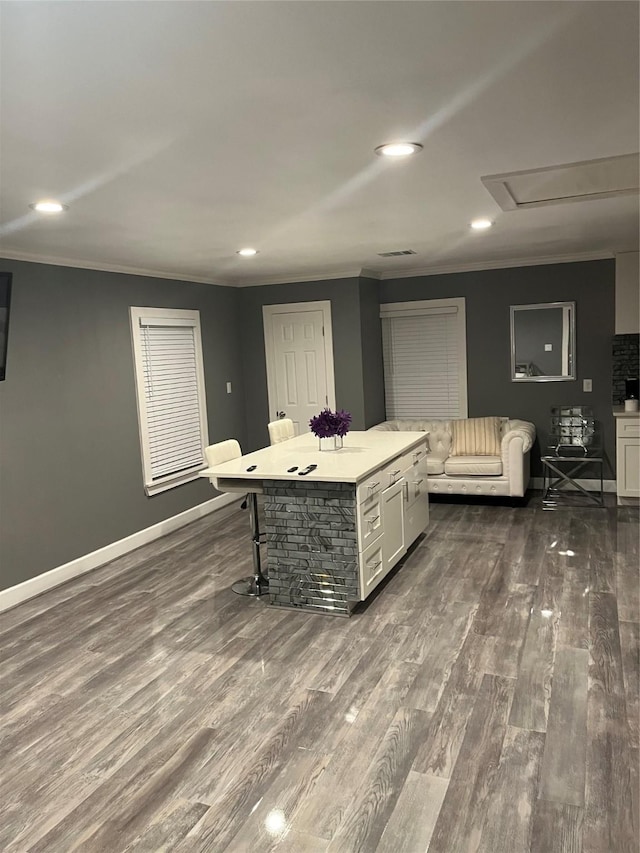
519 429
516 443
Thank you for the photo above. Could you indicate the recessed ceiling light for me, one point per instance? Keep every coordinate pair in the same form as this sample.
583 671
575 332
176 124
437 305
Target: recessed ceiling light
398 149
481 224
247 253
49 207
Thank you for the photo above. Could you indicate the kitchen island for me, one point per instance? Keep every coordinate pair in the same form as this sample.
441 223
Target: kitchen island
334 533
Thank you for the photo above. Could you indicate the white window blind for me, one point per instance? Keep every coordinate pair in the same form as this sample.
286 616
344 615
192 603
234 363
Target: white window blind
424 354
171 397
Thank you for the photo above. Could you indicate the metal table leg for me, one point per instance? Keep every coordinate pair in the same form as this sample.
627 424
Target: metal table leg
553 484
258 584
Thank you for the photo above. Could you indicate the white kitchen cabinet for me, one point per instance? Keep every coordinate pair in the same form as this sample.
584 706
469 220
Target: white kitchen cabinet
392 511
416 495
628 456
394 546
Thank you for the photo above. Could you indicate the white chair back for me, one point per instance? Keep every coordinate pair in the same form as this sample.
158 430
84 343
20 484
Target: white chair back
281 430
223 451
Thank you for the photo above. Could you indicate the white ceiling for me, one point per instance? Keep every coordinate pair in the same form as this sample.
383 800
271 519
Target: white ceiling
179 132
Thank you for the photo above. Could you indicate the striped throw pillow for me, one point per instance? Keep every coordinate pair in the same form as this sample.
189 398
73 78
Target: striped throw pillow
476 437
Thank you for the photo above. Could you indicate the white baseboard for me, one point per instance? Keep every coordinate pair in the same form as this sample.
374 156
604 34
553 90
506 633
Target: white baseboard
589 485
54 577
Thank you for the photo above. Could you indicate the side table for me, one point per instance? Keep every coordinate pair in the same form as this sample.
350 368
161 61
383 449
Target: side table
561 471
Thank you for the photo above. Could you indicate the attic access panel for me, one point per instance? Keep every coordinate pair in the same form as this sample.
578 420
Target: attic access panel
582 181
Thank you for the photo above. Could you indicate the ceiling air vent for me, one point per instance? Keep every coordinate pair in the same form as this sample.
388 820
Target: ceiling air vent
396 254
589 179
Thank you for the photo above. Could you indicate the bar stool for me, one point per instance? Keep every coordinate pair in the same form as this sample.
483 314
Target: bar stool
281 430
225 451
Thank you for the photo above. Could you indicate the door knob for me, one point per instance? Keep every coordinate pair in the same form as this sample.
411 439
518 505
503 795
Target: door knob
281 415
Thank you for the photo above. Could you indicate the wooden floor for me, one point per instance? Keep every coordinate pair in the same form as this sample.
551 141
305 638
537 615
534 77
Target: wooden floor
485 700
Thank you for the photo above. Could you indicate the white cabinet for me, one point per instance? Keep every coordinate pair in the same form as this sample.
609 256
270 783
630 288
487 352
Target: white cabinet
392 511
628 457
393 546
416 494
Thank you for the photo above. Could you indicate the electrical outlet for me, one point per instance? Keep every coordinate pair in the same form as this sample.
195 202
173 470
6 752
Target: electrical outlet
587 385
548 347
228 387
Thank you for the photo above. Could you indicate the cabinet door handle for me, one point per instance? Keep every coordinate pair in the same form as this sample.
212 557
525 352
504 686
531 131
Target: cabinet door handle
373 486
375 565
417 482
372 521
406 490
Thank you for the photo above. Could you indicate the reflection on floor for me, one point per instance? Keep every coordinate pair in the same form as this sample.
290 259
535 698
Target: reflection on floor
485 700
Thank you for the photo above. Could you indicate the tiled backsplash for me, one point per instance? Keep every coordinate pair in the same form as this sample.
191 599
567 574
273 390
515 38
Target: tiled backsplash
626 363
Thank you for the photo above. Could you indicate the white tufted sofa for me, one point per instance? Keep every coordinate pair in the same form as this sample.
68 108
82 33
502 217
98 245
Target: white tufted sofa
504 475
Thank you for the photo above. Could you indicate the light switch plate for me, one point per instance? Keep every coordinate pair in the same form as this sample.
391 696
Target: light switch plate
228 387
548 347
587 385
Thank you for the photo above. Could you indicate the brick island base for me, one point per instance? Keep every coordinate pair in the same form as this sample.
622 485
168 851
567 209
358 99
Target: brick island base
312 545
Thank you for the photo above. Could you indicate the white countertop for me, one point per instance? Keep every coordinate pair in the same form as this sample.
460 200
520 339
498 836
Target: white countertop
363 453
619 412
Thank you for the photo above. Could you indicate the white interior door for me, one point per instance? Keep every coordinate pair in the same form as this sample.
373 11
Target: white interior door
299 355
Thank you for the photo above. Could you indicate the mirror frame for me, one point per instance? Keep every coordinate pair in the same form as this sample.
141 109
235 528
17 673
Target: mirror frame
572 342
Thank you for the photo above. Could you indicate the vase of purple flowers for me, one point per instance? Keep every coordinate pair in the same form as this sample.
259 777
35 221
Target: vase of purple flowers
331 428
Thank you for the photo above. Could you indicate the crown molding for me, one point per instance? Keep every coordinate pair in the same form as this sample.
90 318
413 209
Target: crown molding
444 269
30 258
301 278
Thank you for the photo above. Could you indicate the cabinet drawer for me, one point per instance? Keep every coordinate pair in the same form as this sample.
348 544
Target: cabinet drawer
369 520
628 427
414 457
370 487
371 567
380 480
393 472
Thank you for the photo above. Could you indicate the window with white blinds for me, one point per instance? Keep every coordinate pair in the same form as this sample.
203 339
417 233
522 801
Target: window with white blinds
425 359
171 396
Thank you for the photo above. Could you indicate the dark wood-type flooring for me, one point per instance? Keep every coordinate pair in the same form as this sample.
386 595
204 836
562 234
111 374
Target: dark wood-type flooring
485 701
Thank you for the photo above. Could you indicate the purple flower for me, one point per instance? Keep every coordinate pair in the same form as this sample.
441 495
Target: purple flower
329 423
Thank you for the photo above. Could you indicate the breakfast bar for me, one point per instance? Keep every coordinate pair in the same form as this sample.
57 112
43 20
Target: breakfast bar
334 531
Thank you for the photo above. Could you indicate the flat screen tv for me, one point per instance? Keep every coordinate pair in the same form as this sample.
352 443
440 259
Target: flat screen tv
5 304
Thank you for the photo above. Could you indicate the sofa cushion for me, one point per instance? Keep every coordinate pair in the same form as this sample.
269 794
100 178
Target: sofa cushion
473 466
435 464
476 437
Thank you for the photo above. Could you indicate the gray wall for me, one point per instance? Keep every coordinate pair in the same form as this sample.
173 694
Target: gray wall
70 468
489 294
344 295
372 365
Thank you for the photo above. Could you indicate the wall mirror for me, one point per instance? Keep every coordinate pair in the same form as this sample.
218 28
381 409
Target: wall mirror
543 342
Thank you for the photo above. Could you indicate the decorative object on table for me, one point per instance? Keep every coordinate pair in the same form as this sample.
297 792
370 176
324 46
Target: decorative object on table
631 394
572 429
330 428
